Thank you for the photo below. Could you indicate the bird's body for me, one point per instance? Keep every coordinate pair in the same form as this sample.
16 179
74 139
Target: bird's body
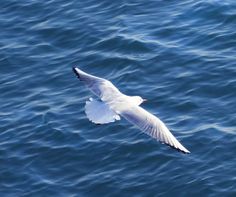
114 104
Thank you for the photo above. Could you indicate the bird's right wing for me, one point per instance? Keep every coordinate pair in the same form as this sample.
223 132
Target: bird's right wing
152 126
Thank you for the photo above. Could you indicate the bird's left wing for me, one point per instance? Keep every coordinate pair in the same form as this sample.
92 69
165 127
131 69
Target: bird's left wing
99 86
152 126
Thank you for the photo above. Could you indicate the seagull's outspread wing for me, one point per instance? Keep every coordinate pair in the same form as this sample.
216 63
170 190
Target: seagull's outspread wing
99 86
152 126
114 103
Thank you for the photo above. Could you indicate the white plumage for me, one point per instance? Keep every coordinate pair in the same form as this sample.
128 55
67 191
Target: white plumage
99 112
114 104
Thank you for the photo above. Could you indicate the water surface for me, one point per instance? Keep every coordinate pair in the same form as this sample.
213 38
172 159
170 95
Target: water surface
180 55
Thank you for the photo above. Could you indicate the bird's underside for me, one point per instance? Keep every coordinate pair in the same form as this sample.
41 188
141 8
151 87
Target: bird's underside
114 104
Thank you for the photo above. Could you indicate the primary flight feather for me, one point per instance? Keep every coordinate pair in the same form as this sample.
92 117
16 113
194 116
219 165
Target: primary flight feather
114 104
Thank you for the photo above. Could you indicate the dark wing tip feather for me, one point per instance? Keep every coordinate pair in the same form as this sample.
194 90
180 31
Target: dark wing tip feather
177 149
75 71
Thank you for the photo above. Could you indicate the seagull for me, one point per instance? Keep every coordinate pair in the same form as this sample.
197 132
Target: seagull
113 104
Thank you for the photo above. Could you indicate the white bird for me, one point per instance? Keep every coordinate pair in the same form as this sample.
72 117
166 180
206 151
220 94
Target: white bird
114 104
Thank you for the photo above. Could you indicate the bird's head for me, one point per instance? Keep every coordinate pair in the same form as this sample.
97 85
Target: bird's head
138 100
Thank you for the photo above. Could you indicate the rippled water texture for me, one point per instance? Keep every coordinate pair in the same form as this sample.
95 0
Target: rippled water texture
180 55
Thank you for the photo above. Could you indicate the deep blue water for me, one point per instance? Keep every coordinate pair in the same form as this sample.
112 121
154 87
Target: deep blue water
180 55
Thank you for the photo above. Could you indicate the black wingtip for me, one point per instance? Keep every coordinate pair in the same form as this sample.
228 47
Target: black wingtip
177 149
76 72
